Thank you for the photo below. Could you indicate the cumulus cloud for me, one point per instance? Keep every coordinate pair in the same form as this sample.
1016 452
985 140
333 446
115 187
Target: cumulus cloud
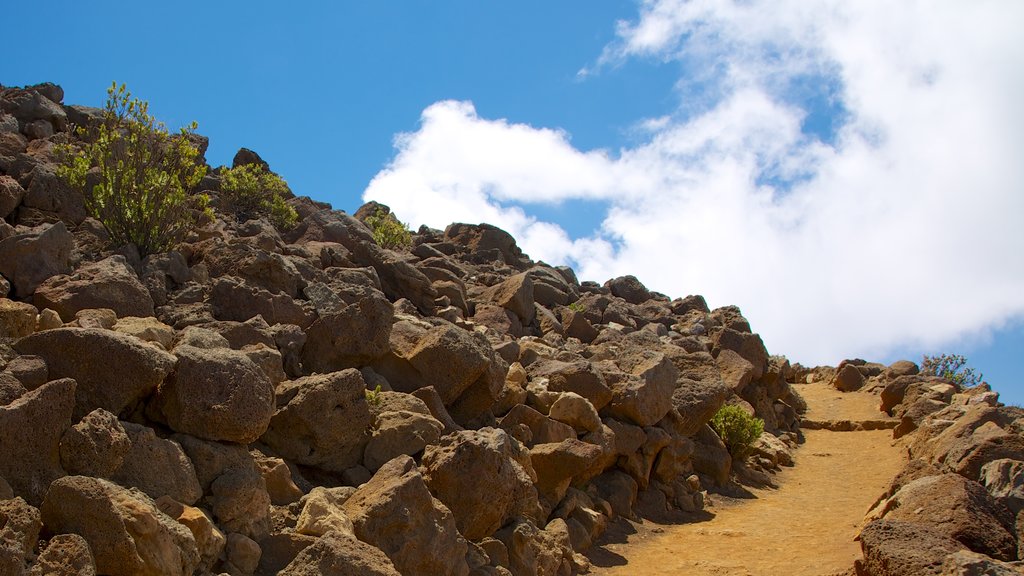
899 228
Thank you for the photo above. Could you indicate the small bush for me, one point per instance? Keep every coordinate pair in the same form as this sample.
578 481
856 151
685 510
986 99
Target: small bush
373 397
252 192
952 367
135 176
737 429
388 232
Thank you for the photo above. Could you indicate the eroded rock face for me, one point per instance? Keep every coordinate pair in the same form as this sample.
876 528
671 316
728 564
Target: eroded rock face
30 431
900 548
339 554
396 513
65 555
216 394
127 534
157 466
95 446
484 477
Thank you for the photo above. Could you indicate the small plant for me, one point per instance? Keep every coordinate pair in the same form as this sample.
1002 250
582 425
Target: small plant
578 307
251 191
373 397
388 232
952 367
140 190
737 429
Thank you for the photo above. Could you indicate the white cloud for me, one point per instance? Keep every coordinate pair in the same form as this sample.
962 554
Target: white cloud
901 231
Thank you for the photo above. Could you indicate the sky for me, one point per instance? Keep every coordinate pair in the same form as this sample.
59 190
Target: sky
849 174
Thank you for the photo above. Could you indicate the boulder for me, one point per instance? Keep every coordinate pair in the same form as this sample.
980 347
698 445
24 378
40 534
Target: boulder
235 299
698 401
1004 480
17 319
28 258
31 428
261 268
536 552
900 548
95 446
847 379
539 429
147 330
646 395
10 389
65 555
19 533
557 464
87 354
486 243
322 512
210 541
126 532
157 466
967 563
747 345
450 359
49 192
109 283
579 377
396 513
736 371
243 554
349 337
11 194
484 477
278 478
216 394
400 432
322 420
515 295
576 411
629 289
340 554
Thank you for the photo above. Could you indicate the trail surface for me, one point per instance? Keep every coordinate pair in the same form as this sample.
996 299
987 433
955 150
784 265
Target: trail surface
805 527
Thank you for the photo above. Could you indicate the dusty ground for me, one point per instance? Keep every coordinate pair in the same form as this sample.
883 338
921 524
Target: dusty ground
806 527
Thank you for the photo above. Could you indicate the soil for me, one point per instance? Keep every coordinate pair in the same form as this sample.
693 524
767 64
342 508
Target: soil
804 527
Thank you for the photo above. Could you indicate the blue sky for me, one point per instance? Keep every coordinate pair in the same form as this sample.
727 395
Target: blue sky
847 173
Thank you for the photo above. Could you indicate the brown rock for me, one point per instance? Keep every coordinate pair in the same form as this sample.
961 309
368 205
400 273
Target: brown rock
339 554
210 541
557 464
86 354
540 428
400 432
65 555
11 194
579 377
395 512
349 337
147 330
629 289
967 563
31 371
109 283
95 446
747 345
450 359
278 478
898 548
515 295
235 299
10 389
576 411
848 379
646 395
19 532
218 395
17 319
30 431
28 258
484 477
322 420
127 534
243 553
157 466
322 512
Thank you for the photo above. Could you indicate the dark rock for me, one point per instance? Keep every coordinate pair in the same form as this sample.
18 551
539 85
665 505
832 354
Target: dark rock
28 258
31 428
109 283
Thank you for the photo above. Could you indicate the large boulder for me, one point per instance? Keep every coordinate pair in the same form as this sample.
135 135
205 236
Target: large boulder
578 376
398 432
484 477
65 555
629 289
267 270
746 344
127 533
486 243
31 428
217 394
322 420
349 335
848 379
17 319
11 194
49 192
396 513
1004 480
30 257
339 554
645 395
557 464
19 532
900 548
322 512
95 446
88 354
109 283
515 295
235 299
157 466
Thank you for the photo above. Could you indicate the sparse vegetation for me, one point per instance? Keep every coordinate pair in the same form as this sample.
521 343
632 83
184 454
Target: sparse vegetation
388 232
136 176
737 429
251 192
952 367
577 307
373 397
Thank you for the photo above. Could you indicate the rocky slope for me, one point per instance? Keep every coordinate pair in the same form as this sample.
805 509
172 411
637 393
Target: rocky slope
305 401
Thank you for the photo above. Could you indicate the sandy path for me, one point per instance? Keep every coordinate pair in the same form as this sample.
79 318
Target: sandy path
804 528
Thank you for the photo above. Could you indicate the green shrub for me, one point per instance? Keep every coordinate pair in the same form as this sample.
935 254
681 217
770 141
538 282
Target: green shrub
388 232
140 188
737 429
952 367
252 192
373 397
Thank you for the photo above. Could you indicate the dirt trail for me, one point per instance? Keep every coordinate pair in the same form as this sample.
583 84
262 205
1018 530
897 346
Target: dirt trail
806 527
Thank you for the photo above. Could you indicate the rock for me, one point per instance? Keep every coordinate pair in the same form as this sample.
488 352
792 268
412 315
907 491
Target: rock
322 512
260 268
1004 480
17 319
31 371
395 512
646 395
278 478
95 446
19 533
349 337
65 555
486 243
48 320
6 493
747 345
450 359
217 395
847 379
210 541
11 194
86 354
898 548
515 295
339 554
484 477
535 552
958 508
243 553
322 420
109 283
557 464
698 401
234 299
576 411
28 258
400 432
104 318
736 371
711 457
231 481
579 377
49 192
147 330
539 428
127 534
629 289
10 389
967 563
30 431
157 466
900 368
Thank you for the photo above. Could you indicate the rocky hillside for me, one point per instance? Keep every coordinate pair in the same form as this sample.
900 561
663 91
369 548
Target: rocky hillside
305 401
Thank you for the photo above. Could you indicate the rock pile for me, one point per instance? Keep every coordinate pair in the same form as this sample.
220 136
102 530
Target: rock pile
307 402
